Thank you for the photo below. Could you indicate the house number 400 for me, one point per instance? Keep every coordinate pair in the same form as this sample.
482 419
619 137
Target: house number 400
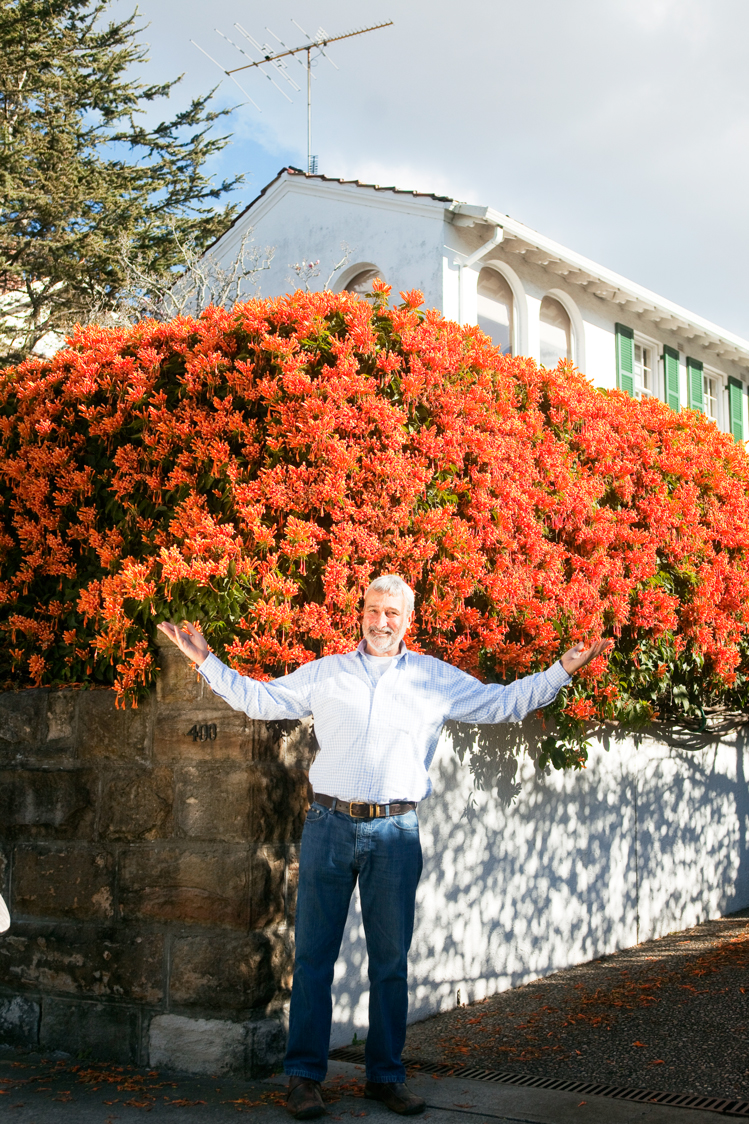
203 733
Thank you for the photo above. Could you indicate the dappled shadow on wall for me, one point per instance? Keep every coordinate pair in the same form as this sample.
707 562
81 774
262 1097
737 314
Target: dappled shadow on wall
526 873
692 808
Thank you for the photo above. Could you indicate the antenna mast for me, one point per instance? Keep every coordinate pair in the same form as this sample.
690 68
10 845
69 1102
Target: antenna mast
320 42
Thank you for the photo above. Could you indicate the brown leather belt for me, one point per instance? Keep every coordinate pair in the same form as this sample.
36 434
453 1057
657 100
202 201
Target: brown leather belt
359 810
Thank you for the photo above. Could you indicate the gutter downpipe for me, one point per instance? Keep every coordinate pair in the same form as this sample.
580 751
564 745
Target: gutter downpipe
495 240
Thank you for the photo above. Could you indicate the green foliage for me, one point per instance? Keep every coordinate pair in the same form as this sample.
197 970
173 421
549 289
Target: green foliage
81 175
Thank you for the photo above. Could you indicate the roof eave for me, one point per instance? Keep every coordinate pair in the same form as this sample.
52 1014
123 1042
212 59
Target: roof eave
589 273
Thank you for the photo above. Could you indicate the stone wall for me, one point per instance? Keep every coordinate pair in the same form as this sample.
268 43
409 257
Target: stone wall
149 860
149 857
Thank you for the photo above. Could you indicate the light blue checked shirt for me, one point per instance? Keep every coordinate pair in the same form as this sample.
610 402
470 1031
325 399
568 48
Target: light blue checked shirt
378 733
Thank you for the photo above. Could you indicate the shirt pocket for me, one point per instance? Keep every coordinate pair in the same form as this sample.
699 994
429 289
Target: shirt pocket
413 715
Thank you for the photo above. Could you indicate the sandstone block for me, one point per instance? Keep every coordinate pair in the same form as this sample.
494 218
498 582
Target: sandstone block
178 681
37 804
61 719
64 883
268 1046
137 804
292 883
21 722
267 884
85 961
213 803
204 887
230 972
265 741
279 804
37 725
200 1046
188 734
300 745
108 1032
19 1021
107 732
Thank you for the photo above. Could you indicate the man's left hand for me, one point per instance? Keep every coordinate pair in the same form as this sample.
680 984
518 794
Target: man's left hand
577 657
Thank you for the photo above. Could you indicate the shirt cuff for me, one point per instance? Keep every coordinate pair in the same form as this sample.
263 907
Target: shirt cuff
557 676
211 668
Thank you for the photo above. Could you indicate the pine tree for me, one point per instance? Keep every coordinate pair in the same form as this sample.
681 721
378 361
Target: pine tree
80 173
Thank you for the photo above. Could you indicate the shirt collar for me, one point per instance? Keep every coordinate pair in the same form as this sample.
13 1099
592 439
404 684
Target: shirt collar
361 649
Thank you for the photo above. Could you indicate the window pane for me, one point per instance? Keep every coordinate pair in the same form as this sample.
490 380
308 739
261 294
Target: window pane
495 309
643 370
710 385
556 333
362 282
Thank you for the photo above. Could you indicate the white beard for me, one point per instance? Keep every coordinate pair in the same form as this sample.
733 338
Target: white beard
381 642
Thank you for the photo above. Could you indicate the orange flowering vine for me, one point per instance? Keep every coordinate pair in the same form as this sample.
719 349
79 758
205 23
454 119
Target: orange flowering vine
253 469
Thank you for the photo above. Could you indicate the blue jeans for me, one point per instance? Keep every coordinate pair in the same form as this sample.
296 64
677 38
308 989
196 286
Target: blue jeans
385 855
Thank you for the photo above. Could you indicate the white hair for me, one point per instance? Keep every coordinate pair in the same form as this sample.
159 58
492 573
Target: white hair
391 583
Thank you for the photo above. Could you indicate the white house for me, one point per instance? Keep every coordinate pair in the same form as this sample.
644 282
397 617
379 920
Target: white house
477 265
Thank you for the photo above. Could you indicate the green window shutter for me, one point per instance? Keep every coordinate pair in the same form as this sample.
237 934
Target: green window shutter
736 408
625 359
694 382
671 379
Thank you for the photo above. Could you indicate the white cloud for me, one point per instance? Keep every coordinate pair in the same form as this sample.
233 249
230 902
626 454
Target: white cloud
618 127
688 17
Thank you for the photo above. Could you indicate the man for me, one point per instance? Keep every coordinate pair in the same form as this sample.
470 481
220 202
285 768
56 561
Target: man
378 712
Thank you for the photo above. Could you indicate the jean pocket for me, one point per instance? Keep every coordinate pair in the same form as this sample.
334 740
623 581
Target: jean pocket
409 821
316 813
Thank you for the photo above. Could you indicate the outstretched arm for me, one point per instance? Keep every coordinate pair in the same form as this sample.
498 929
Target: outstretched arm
472 701
288 697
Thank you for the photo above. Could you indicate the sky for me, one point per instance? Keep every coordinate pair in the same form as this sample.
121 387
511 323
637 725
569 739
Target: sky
619 128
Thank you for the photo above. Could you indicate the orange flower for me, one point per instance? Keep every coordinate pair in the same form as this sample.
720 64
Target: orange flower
256 468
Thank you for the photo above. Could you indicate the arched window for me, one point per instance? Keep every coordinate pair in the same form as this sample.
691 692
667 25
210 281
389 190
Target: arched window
496 309
556 332
361 282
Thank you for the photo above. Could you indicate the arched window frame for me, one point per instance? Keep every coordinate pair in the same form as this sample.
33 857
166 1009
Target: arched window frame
348 275
520 305
577 328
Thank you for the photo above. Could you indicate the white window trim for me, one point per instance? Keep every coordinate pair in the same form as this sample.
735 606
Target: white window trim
520 304
577 325
340 282
656 349
722 382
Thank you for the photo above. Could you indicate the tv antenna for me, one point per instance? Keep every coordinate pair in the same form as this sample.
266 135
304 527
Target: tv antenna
320 41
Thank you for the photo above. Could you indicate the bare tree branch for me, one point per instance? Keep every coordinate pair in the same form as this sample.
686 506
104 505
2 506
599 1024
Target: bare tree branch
202 280
307 271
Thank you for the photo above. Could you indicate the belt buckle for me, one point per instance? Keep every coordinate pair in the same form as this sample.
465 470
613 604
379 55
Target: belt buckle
360 804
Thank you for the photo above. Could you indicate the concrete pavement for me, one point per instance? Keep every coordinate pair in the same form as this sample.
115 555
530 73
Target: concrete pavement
58 1090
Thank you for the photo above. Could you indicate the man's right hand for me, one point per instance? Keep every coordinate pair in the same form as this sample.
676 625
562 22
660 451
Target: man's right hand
190 642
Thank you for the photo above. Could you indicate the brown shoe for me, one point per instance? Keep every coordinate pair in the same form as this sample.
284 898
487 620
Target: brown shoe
397 1096
305 1099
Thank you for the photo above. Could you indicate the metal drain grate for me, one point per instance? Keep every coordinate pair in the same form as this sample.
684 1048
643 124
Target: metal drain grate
724 1105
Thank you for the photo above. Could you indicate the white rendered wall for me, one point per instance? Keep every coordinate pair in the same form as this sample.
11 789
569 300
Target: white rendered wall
533 304
401 236
514 891
600 354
